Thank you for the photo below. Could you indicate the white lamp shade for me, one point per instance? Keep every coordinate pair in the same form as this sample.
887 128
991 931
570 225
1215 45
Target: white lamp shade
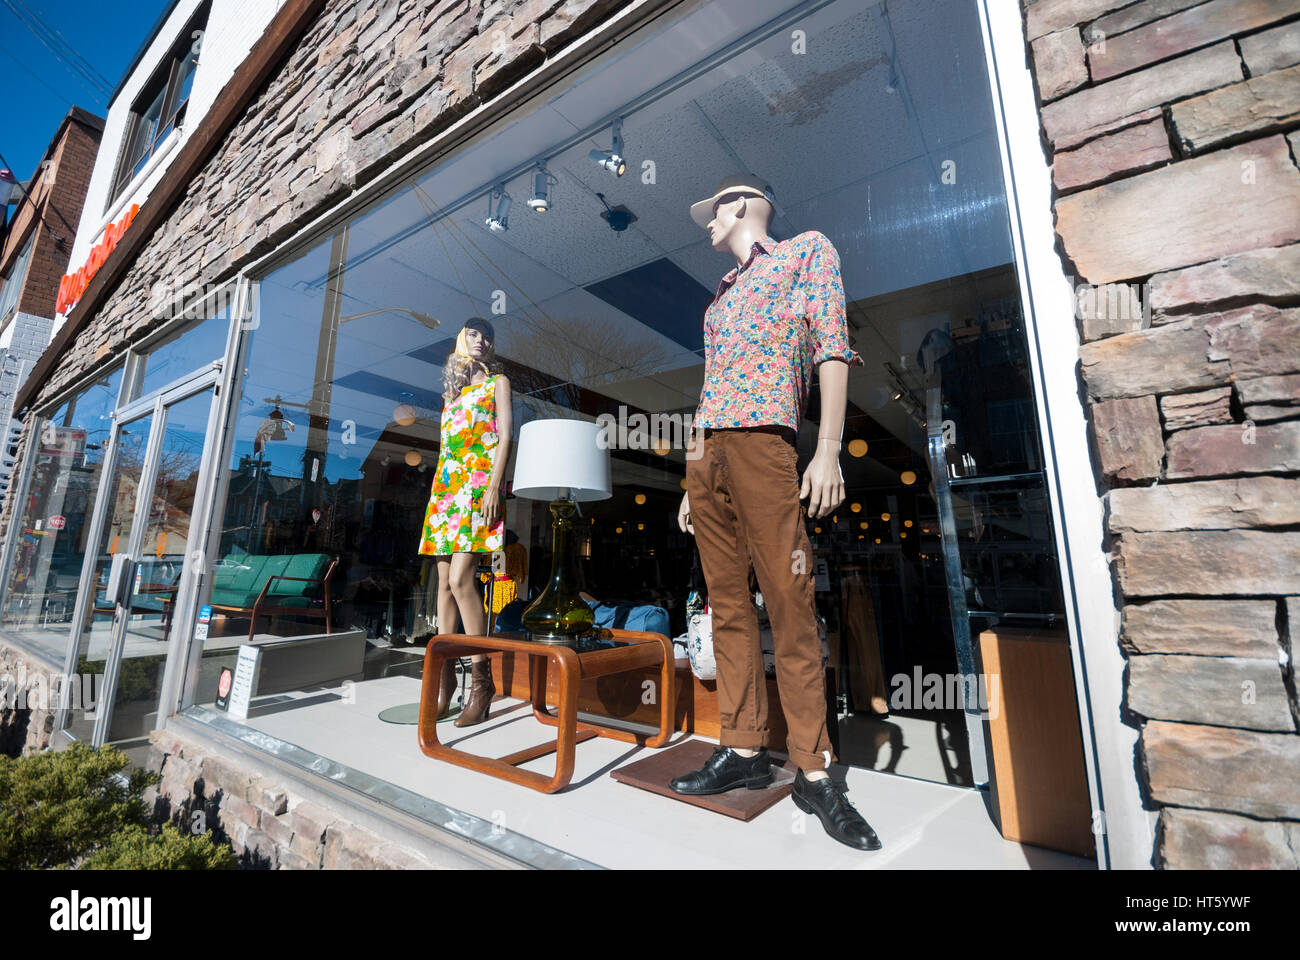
561 459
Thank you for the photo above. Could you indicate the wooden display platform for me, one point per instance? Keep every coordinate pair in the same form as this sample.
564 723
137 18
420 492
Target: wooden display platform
655 772
624 697
601 657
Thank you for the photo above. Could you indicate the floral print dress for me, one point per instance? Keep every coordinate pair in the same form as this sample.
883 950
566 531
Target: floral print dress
453 522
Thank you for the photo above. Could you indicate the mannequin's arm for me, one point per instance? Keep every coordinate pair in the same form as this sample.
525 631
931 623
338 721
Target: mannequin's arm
823 484
505 424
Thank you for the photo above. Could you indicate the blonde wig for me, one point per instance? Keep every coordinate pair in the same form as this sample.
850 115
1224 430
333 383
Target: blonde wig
461 367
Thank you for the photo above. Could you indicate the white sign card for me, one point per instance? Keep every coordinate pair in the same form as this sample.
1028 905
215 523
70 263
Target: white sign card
245 679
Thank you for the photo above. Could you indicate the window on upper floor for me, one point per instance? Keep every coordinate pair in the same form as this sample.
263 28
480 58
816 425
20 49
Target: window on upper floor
160 107
11 285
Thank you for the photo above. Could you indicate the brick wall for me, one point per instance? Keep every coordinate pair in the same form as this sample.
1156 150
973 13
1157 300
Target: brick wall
1171 126
57 194
73 161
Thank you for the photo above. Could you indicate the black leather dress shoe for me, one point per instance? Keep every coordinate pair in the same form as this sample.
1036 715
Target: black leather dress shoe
726 770
825 799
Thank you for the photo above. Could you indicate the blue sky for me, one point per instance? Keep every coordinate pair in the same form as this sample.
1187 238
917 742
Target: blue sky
38 87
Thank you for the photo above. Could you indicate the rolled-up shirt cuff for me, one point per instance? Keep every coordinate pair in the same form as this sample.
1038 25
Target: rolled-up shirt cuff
848 355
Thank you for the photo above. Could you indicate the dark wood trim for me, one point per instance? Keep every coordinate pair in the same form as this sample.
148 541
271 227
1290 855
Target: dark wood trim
265 58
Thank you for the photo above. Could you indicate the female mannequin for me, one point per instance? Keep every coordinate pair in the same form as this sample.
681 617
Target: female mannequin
466 513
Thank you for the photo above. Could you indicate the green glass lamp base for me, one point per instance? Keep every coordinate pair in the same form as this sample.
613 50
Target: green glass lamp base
560 615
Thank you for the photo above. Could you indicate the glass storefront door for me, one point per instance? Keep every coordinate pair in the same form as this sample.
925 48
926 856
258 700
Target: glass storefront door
146 536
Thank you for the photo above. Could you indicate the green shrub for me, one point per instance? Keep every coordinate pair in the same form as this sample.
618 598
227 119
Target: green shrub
136 849
61 809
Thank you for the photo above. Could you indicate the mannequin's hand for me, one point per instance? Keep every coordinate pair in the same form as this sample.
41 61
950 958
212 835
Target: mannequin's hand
823 484
491 508
684 515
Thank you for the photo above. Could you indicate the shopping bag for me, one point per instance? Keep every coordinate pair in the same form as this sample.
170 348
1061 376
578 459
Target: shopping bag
699 632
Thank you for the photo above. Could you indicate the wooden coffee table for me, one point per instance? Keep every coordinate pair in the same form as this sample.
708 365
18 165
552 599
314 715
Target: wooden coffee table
613 651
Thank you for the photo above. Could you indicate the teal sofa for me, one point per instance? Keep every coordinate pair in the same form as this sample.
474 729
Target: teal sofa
253 585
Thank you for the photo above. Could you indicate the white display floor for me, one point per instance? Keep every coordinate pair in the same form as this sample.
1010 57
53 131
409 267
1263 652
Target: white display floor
611 824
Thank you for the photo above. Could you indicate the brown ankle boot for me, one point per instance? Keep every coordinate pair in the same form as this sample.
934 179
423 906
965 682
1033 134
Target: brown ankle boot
446 687
481 692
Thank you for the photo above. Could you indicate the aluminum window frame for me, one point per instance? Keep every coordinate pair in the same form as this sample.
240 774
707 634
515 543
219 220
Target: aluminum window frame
157 405
20 492
132 363
1123 830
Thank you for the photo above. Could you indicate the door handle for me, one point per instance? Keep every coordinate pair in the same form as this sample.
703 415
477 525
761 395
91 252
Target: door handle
119 578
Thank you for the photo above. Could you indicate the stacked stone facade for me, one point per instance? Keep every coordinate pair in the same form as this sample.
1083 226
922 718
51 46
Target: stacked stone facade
267 826
28 698
1172 130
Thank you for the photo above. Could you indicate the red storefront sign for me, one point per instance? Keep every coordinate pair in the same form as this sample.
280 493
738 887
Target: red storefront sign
73 285
58 523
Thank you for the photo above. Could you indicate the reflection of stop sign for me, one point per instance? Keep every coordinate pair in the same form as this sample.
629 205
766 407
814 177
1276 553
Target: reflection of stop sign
58 523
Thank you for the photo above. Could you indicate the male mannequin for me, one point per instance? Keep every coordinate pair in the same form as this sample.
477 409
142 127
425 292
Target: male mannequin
776 316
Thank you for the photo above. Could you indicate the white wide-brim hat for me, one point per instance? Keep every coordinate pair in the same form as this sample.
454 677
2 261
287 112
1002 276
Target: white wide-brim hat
702 211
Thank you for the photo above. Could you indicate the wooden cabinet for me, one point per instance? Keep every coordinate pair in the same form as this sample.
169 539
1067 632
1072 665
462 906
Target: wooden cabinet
1039 783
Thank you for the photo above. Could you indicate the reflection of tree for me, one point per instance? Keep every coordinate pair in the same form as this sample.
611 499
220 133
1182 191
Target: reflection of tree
173 497
560 360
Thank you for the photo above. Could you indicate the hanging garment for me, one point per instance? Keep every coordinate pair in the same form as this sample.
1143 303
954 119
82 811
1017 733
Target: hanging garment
453 521
858 633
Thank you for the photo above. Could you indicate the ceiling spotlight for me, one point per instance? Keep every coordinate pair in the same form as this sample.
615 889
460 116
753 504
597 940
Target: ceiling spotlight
500 222
612 159
540 201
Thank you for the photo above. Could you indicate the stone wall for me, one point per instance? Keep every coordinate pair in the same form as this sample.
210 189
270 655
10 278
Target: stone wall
1171 127
267 826
27 701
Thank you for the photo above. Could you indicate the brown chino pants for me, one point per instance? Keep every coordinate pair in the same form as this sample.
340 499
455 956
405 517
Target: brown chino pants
744 505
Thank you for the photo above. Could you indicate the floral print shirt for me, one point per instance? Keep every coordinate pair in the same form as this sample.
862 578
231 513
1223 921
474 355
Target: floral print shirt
773 320
453 522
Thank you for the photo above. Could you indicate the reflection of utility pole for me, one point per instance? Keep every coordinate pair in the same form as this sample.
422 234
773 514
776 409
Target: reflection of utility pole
254 521
318 414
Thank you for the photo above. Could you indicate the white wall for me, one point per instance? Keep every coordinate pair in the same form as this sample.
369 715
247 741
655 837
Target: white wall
232 29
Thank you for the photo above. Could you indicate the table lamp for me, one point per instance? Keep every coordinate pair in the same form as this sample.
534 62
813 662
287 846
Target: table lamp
564 462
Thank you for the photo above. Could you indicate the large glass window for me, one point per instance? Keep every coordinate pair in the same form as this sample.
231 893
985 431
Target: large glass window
874 128
181 352
50 538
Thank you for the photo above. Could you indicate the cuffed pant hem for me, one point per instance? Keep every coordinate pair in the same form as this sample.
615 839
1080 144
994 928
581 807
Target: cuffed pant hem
744 739
808 762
